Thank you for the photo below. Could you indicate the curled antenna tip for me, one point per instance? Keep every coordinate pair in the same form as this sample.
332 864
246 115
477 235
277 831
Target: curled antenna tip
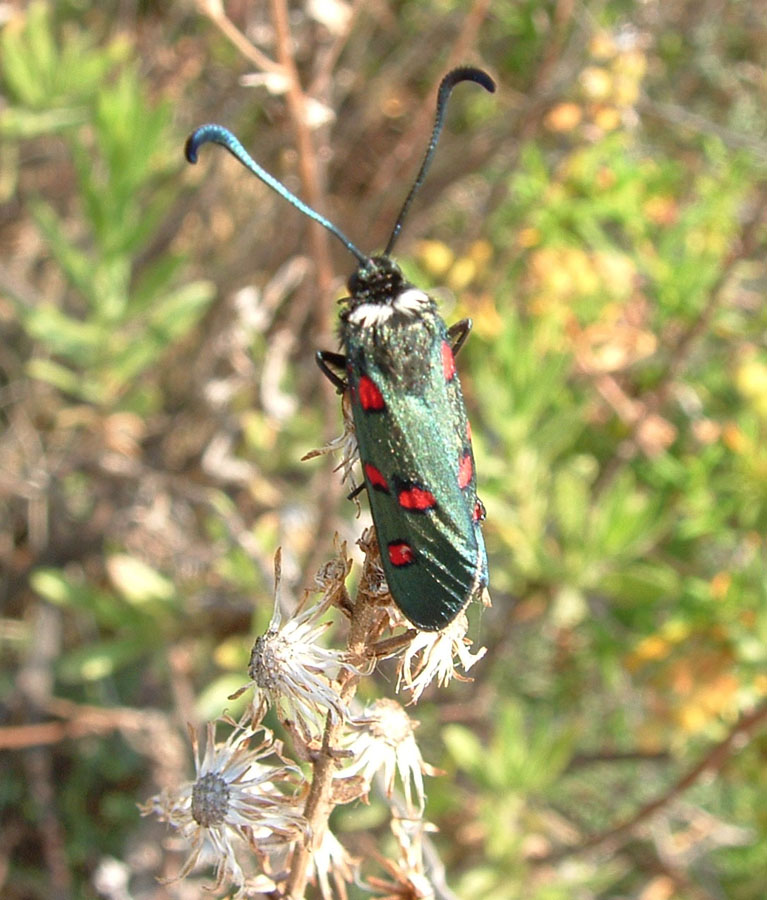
467 73
190 149
203 135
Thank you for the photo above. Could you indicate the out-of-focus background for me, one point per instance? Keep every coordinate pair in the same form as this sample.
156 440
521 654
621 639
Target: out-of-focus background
602 219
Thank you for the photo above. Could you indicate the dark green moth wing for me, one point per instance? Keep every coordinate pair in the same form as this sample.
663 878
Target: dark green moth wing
415 447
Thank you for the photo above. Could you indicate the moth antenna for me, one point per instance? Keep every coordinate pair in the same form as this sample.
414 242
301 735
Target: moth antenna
217 134
454 77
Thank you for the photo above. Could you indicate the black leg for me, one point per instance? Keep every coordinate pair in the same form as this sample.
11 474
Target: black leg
356 492
326 359
459 331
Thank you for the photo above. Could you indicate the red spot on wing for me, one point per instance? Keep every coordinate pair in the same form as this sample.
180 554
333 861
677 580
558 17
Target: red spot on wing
465 471
400 553
416 498
371 399
375 477
479 511
448 362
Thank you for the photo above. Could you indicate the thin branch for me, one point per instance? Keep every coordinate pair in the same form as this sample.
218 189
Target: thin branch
411 141
580 760
680 117
327 63
307 164
712 762
34 685
680 353
214 10
318 299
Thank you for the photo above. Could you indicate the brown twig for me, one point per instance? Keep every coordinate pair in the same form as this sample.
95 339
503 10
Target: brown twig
318 299
712 762
307 163
214 10
34 684
319 805
581 760
413 138
318 86
679 354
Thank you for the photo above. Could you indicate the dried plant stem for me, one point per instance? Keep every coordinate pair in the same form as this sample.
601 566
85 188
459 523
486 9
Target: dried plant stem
319 803
744 730
214 10
317 810
636 412
318 300
413 138
307 164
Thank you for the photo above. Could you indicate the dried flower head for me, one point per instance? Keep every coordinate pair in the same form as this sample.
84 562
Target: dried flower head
431 654
408 881
381 739
331 577
346 443
331 861
234 805
293 672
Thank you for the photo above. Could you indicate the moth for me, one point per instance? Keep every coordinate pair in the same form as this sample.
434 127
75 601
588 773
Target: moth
414 437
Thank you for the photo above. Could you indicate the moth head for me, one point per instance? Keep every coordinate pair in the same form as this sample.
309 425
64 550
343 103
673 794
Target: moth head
378 281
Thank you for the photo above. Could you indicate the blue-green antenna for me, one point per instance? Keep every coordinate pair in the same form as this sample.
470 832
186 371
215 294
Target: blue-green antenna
217 134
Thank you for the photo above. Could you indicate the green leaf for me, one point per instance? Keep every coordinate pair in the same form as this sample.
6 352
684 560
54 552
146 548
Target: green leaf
101 659
136 581
54 374
76 265
76 340
53 585
464 747
20 123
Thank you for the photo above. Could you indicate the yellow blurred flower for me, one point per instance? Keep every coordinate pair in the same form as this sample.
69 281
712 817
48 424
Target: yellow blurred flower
487 321
597 83
618 273
563 117
751 381
461 274
481 252
661 210
608 118
602 45
528 237
734 439
720 585
435 256
653 647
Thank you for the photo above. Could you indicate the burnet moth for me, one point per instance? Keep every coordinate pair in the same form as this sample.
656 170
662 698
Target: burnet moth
409 415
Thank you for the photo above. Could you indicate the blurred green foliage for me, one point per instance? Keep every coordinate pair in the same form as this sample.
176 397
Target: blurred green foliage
602 222
122 318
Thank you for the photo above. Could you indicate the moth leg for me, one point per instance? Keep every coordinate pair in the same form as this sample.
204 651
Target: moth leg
326 359
459 331
352 495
